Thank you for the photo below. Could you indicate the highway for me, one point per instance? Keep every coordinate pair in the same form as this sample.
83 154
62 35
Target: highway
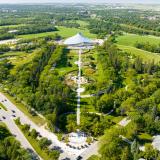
6 117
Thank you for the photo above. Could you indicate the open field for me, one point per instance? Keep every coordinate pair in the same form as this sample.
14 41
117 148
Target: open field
131 39
62 31
127 43
145 55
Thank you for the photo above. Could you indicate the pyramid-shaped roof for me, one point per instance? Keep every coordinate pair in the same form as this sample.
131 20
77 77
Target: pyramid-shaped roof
77 39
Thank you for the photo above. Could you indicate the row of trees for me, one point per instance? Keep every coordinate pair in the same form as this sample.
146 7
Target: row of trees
43 143
148 47
10 148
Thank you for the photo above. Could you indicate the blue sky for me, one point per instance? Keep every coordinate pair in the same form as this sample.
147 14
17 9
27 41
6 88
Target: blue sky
81 1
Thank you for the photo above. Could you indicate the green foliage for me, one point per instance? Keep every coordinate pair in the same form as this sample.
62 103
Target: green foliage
44 143
11 148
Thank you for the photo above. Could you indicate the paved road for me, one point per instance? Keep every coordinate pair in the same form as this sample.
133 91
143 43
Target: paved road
14 129
92 150
67 151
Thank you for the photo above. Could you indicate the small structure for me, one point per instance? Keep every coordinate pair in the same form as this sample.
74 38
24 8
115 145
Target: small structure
77 139
79 41
12 31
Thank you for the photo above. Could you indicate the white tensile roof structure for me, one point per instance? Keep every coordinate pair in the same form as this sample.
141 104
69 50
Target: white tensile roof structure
78 39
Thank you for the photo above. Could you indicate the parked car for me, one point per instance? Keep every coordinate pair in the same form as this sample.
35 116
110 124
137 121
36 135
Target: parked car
13 111
3 117
79 158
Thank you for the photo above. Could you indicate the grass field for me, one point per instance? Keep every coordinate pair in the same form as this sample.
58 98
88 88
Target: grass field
62 31
3 107
146 56
127 43
131 39
36 119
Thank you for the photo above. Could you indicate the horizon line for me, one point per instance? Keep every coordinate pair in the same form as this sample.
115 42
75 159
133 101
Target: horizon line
152 3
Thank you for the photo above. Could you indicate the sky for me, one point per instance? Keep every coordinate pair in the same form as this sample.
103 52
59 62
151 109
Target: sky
81 1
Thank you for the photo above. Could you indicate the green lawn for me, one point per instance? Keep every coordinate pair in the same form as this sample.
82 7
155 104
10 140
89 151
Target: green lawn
63 31
145 55
144 138
131 39
2 106
36 119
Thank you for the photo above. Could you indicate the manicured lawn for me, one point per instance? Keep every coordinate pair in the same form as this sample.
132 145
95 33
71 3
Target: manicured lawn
144 138
36 119
131 39
3 124
63 31
2 106
145 55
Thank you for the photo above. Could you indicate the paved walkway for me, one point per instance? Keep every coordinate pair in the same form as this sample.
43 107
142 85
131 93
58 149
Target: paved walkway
78 89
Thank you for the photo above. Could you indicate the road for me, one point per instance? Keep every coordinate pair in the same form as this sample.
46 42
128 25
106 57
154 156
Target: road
67 151
9 121
92 150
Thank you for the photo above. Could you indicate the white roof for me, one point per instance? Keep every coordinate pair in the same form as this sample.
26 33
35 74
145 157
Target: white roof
77 39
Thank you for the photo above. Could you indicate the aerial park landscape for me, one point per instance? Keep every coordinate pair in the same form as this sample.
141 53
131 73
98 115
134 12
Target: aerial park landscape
80 81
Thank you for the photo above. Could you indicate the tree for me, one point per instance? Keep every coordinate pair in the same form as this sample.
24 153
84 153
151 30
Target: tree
34 133
54 154
150 153
135 149
105 104
126 155
26 127
44 143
